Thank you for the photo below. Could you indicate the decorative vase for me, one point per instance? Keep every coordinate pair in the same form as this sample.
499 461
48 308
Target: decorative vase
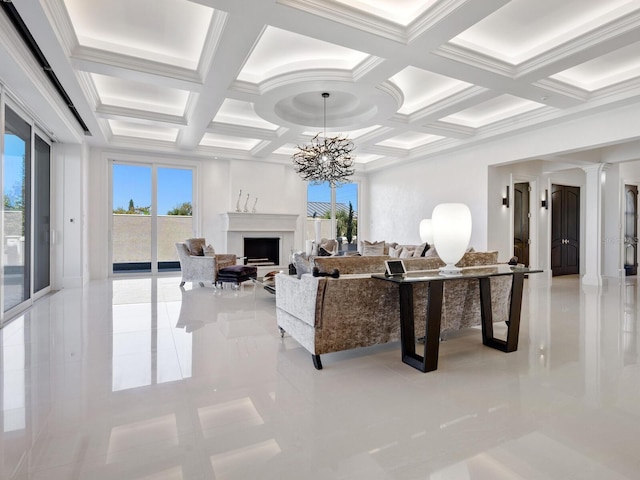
426 231
451 234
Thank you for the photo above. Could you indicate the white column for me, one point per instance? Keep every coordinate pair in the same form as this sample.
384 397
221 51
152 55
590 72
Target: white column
593 224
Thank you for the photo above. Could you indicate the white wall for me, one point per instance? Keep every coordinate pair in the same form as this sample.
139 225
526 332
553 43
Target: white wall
402 196
71 220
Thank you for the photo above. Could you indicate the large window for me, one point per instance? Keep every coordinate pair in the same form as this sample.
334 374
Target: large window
151 211
337 209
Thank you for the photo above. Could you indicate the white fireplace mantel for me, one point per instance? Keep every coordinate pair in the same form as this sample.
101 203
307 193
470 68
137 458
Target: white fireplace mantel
238 226
259 222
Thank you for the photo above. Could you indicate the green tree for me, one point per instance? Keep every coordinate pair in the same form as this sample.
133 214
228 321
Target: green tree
184 208
349 233
132 210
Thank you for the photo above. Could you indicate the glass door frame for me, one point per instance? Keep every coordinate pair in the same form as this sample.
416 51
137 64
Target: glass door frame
154 165
46 290
7 101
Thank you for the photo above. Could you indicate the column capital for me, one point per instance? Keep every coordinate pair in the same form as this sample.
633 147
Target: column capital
596 167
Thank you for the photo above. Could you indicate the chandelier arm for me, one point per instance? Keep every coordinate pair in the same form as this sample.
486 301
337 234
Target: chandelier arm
325 159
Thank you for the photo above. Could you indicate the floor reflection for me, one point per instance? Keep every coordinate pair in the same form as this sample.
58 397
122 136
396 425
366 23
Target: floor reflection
140 379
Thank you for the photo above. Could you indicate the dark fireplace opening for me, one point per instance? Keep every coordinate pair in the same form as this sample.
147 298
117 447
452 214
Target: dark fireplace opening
262 251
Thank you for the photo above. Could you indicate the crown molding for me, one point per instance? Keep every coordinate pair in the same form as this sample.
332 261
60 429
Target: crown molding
475 59
221 128
212 42
609 31
88 55
140 116
350 17
562 88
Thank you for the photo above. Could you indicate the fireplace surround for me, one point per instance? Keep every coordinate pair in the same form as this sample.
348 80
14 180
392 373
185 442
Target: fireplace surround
239 226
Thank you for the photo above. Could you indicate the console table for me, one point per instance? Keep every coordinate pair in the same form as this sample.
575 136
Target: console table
429 360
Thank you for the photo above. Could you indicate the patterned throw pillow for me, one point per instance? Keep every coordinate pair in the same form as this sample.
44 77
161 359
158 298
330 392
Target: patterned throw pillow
395 252
196 246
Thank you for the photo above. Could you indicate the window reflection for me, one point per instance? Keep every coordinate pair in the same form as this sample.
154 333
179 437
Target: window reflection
13 376
146 348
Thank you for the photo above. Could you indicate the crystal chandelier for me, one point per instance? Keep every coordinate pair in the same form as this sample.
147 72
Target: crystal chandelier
325 159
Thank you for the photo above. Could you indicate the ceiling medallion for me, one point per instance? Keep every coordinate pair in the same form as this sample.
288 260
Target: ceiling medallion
325 159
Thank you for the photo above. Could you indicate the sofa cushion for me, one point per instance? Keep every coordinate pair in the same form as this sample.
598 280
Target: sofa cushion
351 265
372 248
196 246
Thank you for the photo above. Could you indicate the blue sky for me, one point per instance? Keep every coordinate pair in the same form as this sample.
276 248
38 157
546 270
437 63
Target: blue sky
344 194
175 187
12 168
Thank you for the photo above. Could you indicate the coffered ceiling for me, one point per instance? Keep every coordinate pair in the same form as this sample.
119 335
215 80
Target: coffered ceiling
407 78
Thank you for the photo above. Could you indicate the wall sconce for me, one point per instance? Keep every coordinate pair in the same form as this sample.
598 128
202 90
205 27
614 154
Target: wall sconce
545 201
505 199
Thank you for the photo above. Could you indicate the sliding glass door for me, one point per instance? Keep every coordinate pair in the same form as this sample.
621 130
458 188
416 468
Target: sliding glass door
42 216
16 189
151 211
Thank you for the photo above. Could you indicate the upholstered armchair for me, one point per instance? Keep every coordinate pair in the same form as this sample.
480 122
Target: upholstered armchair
201 267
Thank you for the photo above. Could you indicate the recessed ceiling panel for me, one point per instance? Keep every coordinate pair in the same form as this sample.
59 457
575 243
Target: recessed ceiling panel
279 51
422 88
523 29
227 141
409 140
402 12
615 67
140 96
286 149
129 129
366 157
237 112
166 31
352 134
499 108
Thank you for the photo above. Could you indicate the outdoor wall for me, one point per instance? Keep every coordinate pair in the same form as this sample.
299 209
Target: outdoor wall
132 236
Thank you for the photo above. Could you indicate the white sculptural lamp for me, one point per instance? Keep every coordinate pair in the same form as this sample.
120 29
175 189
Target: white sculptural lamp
426 231
451 234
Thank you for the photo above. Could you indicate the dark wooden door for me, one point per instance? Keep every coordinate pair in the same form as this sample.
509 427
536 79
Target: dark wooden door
631 230
521 222
565 230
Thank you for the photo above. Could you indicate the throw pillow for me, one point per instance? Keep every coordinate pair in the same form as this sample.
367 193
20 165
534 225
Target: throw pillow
431 252
372 248
324 252
209 251
301 263
407 252
395 252
196 246
420 250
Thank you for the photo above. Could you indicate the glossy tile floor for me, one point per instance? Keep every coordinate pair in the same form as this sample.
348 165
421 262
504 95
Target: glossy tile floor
138 379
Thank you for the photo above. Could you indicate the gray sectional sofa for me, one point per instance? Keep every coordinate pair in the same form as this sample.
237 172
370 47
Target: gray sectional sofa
328 315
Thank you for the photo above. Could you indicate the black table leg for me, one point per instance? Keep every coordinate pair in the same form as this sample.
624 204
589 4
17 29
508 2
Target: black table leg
429 360
513 330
